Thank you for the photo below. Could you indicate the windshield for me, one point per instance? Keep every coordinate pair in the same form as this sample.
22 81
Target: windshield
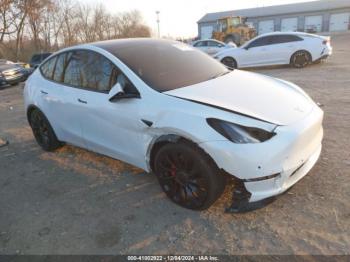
165 65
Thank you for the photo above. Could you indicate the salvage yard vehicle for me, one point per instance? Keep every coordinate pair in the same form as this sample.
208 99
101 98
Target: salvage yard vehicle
234 29
10 74
212 46
170 109
278 48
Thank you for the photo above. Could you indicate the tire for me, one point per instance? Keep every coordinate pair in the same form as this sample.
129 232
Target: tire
188 176
229 62
300 59
43 132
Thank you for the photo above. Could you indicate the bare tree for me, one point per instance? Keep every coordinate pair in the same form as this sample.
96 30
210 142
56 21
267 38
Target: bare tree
19 14
131 25
38 19
6 19
28 26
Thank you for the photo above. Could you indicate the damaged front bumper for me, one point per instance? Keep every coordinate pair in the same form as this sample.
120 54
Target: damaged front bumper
265 170
266 191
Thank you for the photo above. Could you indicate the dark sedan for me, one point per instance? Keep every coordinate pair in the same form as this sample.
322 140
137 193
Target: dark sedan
36 59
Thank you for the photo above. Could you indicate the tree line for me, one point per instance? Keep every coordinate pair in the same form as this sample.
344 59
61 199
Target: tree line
34 26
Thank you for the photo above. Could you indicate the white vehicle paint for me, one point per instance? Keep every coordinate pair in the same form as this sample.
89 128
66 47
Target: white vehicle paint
339 22
272 130
212 46
277 48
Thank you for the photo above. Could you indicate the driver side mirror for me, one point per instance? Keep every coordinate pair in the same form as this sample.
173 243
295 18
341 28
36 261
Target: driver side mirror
117 93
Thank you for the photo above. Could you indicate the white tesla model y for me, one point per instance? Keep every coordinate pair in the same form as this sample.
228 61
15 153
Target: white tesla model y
172 110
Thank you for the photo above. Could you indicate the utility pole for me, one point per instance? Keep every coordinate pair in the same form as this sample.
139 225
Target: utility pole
158 22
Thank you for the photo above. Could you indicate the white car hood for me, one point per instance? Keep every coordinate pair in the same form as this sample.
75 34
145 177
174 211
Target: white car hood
251 94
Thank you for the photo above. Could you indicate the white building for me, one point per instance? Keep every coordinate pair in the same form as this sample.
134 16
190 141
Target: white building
316 16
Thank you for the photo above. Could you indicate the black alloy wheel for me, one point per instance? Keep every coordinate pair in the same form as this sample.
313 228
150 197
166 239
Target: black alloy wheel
43 131
186 177
300 59
229 62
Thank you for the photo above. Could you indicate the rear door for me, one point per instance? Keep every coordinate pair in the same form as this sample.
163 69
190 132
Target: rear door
281 48
58 100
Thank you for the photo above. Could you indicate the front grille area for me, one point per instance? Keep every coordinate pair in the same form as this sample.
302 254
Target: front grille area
11 72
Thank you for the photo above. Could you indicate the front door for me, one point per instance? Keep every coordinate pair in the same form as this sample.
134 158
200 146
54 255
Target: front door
256 53
110 128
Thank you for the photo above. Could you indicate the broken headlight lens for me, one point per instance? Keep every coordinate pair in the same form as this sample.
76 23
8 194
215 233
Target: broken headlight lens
240 134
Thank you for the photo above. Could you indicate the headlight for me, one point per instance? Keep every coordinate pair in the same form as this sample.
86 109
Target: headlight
240 134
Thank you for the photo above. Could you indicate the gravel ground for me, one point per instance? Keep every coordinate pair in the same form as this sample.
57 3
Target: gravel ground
76 202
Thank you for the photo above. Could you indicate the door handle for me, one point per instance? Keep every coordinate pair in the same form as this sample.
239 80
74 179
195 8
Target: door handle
43 92
82 101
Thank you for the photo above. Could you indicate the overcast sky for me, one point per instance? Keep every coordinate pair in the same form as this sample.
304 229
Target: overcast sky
178 18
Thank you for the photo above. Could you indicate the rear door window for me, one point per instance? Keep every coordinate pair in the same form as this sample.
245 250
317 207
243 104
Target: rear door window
281 39
60 65
47 68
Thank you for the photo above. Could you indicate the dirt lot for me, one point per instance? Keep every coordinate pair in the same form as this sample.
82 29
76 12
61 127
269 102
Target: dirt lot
76 202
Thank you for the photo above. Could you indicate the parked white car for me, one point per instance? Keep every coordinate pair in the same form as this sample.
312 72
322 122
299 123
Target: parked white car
212 46
170 109
5 62
278 48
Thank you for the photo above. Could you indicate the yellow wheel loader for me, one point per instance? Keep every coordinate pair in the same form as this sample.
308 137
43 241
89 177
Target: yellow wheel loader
234 29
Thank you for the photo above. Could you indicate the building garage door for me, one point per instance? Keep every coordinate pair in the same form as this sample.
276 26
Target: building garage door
207 32
313 23
266 26
339 22
289 24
